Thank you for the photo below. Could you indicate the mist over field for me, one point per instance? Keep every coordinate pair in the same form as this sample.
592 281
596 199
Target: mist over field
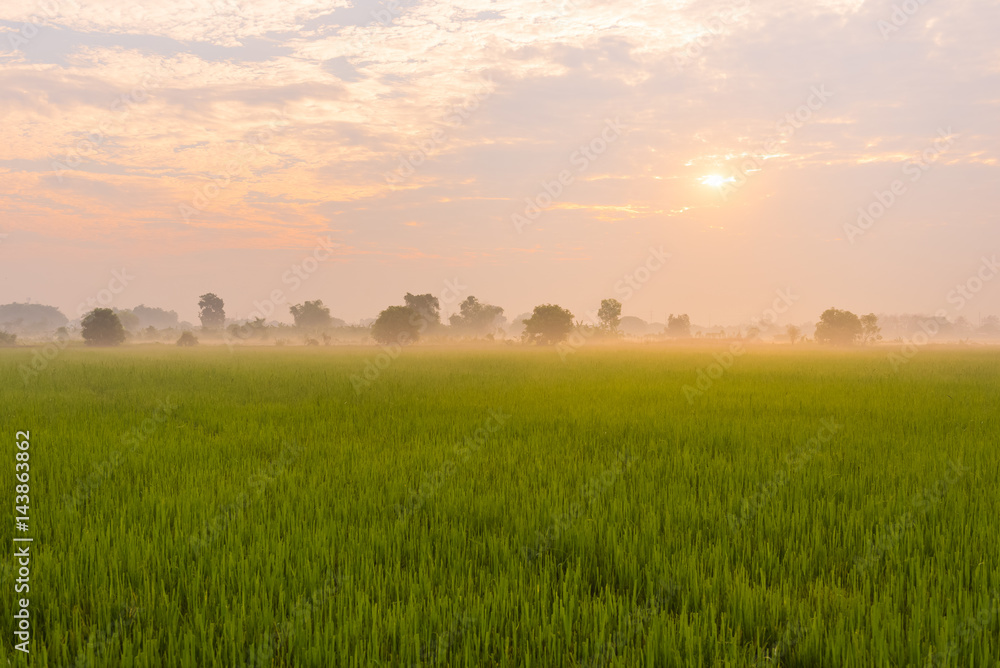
510 333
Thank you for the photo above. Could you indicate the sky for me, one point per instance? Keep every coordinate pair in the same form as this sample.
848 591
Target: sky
704 157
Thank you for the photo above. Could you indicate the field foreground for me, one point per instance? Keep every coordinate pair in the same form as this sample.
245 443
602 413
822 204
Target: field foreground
503 507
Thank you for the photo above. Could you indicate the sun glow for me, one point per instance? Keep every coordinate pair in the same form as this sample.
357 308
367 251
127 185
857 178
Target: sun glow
715 180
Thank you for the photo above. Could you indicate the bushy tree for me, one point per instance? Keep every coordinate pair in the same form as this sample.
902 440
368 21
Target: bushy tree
129 320
150 316
7 339
187 340
679 326
427 308
101 327
870 331
794 333
398 324
610 315
549 324
212 312
838 327
475 318
311 315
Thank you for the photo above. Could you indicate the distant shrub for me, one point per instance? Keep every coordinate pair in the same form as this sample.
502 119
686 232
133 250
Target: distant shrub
279 342
187 340
102 327
7 339
312 342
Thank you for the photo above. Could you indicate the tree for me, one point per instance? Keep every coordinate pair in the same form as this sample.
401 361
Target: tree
870 331
7 339
475 318
398 324
837 327
311 315
130 321
101 327
427 307
794 333
150 316
187 340
610 315
29 319
679 326
213 312
549 324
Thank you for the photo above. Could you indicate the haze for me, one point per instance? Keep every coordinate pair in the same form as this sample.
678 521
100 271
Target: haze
741 139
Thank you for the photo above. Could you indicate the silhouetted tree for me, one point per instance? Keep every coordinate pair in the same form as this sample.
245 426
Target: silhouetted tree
150 316
101 327
129 320
610 315
794 333
990 326
311 315
30 318
187 340
549 324
679 326
213 312
398 324
870 331
837 327
475 318
427 307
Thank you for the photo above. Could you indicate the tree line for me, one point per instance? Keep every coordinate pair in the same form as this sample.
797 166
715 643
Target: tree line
419 316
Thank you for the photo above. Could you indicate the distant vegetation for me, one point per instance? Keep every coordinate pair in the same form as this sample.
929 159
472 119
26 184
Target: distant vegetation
101 327
419 318
30 319
187 340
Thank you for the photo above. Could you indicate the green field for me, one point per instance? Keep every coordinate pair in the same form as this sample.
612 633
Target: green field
502 507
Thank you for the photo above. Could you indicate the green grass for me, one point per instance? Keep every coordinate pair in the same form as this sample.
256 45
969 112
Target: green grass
198 508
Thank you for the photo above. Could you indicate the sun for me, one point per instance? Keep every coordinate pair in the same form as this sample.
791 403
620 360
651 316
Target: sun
715 180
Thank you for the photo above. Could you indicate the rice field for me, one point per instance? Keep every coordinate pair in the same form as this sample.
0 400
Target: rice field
502 506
